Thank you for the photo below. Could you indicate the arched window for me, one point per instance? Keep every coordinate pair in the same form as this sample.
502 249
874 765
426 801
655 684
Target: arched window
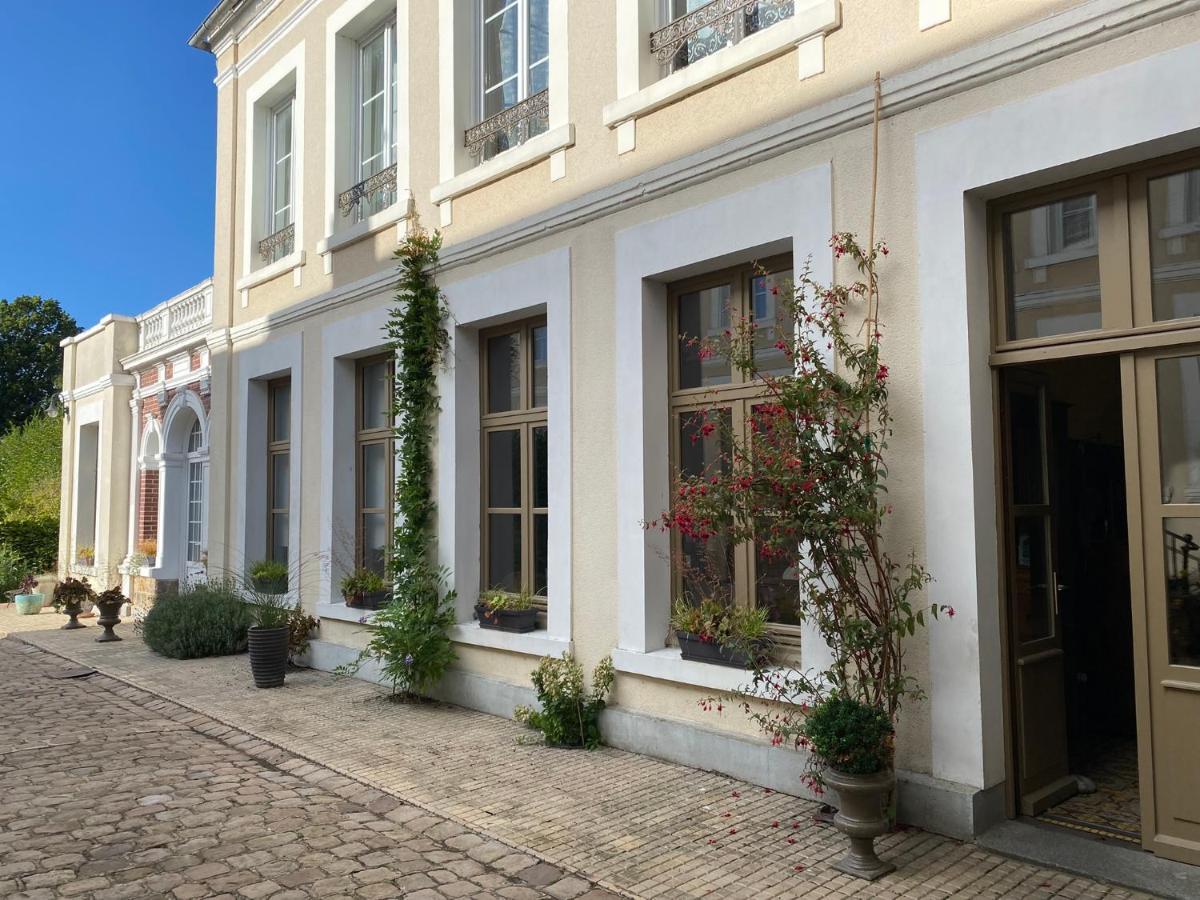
195 495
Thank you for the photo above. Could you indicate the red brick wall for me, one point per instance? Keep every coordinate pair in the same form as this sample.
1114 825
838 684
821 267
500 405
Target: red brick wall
147 521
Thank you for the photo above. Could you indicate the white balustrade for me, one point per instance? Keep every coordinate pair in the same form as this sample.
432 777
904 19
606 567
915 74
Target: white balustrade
184 314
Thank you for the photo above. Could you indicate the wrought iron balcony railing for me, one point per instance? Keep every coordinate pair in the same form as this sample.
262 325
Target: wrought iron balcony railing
278 245
509 127
714 26
181 315
370 195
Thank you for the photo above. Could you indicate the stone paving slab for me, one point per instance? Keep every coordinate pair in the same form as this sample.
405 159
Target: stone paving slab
634 825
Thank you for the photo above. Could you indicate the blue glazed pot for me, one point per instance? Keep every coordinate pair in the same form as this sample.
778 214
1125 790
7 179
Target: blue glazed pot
30 604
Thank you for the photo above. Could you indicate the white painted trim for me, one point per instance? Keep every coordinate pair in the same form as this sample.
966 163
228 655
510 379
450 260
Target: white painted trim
263 47
931 13
534 643
273 359
95 329
504 164
816 19
541 284
99 386
343 613
792 213
1041 139
260 99
667 664
397 212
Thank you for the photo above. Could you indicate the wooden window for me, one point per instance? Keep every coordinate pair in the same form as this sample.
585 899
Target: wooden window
279 445
703 308
1106 264
516 503
374 463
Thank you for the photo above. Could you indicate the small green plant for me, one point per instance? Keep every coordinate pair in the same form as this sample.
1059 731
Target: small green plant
268 576
849 736
500 601
206 620
269 610
70 593
570 713
715 622
359 583
410 638
113 595
300 626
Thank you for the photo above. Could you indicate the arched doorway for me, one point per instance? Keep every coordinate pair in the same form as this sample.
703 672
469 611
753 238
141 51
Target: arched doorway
183 493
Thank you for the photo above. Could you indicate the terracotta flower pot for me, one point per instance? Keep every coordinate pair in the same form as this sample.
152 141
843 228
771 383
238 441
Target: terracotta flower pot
862 818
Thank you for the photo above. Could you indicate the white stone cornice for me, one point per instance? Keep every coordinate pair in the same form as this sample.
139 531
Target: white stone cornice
98 386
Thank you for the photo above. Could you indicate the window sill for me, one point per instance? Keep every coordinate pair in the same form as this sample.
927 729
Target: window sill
344 613
397 212
815 20
668 664
527 154
1062 256
534 643
289 263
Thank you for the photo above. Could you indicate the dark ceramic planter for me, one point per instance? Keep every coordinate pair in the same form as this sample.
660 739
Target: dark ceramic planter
694 649
862 817
374 601
516 621
109 618
73 610
268 655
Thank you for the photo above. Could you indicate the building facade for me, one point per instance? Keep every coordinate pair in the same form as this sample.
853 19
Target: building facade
604 174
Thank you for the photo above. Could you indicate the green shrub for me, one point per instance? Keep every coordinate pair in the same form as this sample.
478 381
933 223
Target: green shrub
570 714
30 464
850 736
206 620
35 540
12 568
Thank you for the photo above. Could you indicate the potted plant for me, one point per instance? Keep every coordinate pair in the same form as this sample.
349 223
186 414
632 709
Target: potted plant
268 639
720 633
502 611
147 553
269 577
69 596
364 589
86 555
29 601
109 603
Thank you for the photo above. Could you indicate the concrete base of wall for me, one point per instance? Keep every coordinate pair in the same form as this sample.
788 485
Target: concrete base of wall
944 807
143 591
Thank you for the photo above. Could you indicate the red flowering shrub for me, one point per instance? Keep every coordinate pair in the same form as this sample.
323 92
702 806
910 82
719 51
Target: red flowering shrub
806 484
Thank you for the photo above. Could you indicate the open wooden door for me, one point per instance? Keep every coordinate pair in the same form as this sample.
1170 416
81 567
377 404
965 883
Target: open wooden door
1039 691
1168 417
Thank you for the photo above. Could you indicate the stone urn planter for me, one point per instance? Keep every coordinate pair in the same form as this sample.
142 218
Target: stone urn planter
109 604
30 604
861 816
268 655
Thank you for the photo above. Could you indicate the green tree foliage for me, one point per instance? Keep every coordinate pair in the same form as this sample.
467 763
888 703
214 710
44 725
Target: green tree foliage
30 467
30 358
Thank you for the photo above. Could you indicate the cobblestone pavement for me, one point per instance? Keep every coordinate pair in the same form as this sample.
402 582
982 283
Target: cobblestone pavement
111 793
631 824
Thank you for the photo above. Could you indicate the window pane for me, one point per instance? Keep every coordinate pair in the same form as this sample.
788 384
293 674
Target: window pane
770 318
1183 590
778 589
539 34
500 48
539 80
374 476
373 77
1031 581
541 468
281 411
504 372
1179 428
541 390
279 537
1175 244
280 480
1053 269
504 551
195 438
541 543
701 454
376 396
195 518
504 469
374 541
702 314
707 568
1025 423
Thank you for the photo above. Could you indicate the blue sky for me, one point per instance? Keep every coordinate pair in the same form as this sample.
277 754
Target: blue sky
107 153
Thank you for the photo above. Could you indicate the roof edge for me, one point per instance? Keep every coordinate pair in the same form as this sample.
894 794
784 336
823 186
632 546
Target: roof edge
221 15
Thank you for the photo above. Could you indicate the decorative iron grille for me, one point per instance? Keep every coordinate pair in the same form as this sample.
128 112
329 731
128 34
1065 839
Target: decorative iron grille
714 26
370 195
278 245
509 127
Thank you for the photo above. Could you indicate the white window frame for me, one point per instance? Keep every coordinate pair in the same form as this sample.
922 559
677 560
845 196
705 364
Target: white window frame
194 502
388 30
272 206
524 65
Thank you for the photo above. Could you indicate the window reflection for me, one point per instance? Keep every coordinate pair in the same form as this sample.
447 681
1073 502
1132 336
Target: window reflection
1174 210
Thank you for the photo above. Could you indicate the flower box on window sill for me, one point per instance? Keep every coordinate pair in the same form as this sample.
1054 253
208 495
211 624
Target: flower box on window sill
695 649
374 600
515 621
